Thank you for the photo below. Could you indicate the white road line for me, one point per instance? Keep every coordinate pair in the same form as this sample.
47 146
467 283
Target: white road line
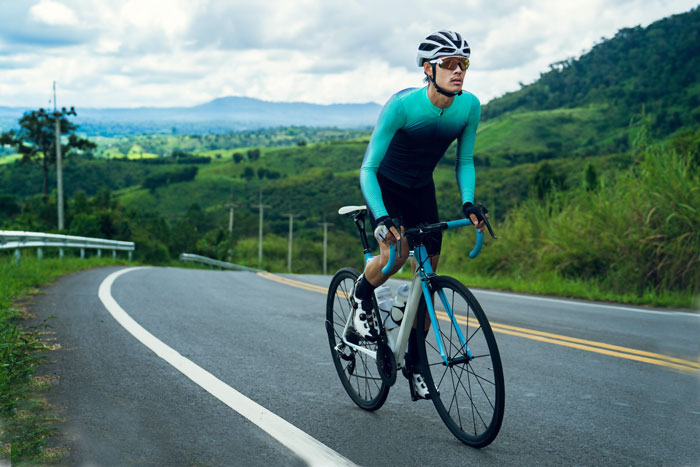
310 450
693 313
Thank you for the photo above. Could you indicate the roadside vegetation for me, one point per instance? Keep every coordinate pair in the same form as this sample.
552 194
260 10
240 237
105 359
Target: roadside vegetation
566 165
591 175
27 420
636 240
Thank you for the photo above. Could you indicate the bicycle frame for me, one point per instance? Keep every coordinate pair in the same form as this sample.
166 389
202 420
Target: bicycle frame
420 285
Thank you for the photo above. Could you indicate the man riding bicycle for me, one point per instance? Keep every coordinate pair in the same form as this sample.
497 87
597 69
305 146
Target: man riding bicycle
414 130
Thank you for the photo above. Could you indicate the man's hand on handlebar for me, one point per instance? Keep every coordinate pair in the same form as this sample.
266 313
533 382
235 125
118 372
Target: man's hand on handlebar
386 231
476 214
479 216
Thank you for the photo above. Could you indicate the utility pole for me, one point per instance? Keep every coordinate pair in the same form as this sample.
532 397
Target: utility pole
289 255
231 207
59 163
325 245
261 207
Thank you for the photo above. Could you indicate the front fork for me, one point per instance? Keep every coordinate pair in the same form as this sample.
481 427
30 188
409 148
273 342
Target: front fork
427 275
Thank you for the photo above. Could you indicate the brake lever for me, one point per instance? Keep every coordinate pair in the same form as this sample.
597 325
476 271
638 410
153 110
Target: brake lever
486 221
398 241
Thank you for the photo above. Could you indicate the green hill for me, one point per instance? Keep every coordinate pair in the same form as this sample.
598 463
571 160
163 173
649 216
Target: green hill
654 68
553 150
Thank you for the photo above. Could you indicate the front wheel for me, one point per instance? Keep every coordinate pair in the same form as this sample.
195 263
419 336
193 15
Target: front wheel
357 370
468 389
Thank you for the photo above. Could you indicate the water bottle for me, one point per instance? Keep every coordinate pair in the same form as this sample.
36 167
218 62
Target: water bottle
399 304
393 323
385 302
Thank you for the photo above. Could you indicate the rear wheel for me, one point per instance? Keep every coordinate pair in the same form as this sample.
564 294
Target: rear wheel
468 390
357 371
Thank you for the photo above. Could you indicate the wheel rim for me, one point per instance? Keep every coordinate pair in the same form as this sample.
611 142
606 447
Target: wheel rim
470 392
357 371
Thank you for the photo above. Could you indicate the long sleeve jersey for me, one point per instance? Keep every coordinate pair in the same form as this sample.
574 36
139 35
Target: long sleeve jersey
410 138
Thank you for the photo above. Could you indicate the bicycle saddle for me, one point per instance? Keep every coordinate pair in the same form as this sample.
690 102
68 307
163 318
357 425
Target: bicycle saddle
352 210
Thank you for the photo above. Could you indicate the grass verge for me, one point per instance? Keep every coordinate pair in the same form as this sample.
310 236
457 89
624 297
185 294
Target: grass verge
556 286
27 421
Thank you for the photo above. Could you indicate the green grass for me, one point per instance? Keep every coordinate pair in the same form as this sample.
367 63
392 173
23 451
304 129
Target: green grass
636 240
560 133
552 284
10 159
27 421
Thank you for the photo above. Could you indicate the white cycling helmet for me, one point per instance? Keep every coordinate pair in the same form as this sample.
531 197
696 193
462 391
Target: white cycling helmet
442 44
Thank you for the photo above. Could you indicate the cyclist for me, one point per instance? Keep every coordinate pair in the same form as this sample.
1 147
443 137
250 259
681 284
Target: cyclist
414 130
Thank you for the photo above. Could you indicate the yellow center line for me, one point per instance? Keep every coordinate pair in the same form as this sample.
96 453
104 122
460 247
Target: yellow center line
541 336
582 344
293 283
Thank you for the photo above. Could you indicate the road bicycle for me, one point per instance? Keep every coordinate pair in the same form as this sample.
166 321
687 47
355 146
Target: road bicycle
458 357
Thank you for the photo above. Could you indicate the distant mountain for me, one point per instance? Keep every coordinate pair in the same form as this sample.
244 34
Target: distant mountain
220 115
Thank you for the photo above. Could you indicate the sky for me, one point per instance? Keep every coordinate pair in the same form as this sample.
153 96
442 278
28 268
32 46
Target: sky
164 53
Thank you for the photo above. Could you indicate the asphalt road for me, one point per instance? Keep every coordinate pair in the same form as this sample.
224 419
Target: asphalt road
586 384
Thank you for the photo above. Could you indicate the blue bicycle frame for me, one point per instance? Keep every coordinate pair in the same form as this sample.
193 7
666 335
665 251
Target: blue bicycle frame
425 272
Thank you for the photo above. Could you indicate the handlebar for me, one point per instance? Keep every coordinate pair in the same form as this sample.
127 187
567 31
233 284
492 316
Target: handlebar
424 229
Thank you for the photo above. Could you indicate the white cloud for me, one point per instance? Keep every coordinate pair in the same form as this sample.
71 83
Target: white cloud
122 53
53 13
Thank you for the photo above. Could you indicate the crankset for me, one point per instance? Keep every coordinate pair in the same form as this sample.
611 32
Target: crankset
386 362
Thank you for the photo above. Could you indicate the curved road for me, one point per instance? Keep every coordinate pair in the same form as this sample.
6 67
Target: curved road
586 384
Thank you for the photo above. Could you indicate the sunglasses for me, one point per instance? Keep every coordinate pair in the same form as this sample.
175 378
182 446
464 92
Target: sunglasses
451 63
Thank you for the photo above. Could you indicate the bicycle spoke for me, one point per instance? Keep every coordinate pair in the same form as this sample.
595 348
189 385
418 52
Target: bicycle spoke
355 369
470 398
454 400
481 378
474 357
474 407
473 334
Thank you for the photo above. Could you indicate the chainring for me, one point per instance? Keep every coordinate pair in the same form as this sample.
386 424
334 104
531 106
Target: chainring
386 363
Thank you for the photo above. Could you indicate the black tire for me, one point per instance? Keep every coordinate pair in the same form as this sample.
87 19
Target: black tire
357 371
469 395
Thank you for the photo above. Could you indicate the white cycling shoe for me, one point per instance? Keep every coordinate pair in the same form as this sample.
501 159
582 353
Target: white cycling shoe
420 389
362 320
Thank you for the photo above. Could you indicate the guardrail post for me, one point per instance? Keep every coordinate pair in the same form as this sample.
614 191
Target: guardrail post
18 255
114 254
82 253
60 253
39 254
130 256
99 253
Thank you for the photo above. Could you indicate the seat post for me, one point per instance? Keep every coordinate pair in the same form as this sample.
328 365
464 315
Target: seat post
360 223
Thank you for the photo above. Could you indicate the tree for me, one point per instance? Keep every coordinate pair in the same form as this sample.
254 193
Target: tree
179 153
590 178
253 154
248 173
36 140
546 180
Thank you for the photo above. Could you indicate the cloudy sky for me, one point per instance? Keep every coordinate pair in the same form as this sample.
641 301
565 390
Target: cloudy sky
129 53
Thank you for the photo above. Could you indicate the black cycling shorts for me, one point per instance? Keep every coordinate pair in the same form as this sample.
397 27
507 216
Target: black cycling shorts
413 206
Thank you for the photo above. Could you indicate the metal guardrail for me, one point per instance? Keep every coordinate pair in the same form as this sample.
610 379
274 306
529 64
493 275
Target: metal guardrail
16 239
215 262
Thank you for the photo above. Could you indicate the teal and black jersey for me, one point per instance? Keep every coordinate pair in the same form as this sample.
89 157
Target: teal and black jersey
410 138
